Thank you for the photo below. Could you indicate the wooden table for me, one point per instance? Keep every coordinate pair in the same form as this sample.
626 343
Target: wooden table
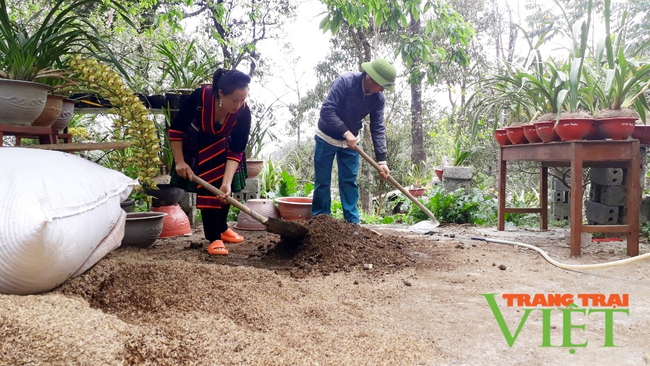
45 135
578 154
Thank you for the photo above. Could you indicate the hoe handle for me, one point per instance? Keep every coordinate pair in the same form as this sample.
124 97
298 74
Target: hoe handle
231 201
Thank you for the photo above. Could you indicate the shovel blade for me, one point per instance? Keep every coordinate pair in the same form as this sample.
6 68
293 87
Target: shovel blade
287 229
424 227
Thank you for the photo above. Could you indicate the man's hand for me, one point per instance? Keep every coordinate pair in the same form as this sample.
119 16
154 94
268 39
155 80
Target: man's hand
386 172
351 139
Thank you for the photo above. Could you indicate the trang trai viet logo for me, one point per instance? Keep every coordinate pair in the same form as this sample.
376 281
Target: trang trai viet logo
567 304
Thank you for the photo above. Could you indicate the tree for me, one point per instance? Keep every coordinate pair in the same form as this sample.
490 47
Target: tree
417 23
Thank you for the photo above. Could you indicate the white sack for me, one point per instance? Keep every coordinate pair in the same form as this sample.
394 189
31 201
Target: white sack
56 210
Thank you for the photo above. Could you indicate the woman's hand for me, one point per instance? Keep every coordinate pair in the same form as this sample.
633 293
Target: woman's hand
225 188
184 170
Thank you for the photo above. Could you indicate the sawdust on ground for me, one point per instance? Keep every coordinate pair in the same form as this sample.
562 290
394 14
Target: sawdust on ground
376 295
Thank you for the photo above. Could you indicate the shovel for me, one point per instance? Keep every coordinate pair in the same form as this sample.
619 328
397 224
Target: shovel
421 227
287 229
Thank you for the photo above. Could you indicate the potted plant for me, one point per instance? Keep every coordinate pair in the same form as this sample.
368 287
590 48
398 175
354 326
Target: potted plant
418 178
187 66
260 135
27 56
617 84
573 121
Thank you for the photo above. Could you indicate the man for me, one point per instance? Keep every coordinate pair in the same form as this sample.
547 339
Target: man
352 97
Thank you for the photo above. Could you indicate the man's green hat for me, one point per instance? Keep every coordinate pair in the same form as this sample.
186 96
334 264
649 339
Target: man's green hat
381 71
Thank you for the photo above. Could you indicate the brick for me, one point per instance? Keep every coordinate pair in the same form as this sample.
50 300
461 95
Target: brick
561 196
559 185
594 192
644 215
613 195
451 185
560 211
607 176
599 214
457 172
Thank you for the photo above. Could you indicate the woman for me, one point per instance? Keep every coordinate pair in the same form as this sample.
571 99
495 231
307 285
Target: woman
208 138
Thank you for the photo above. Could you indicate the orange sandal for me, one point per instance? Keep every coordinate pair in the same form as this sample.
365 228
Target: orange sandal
217 248
231 237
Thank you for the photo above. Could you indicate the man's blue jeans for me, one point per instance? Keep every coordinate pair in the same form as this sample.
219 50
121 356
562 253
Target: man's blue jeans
348 165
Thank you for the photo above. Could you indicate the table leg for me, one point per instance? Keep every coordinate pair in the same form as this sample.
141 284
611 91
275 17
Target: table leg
501 214
633 200
543 198
576 199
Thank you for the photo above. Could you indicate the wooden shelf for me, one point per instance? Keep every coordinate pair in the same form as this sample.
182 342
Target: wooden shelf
87 110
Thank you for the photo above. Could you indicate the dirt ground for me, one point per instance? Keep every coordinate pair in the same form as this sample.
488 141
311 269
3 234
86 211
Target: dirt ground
376 295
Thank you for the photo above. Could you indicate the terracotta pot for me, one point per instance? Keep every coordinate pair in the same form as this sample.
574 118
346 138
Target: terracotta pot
142 228
570 129
254 167
264 207
440 171
593 133
67 111
21 102
501 135
516 135
546 131
165 195
52 111
417 192
531 133
616 128
175 222
294 208
642 133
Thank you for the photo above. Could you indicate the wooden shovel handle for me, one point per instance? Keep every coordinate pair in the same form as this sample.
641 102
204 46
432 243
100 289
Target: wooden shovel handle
231 201
396 184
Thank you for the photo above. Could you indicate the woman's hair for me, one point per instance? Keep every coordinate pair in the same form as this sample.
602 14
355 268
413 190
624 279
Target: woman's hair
228 81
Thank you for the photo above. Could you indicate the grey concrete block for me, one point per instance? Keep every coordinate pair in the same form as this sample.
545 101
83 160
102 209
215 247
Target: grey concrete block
435 182
250 191
607 176
253 185
457 172
560 211
451 185
644 215
599 214
561 196
188 205
559 185
594 192
613 195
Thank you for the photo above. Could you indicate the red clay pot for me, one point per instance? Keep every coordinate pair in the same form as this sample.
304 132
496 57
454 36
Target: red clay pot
642 133
502 137
294 208
593 133
417 192
570 129
531 133
439 171
616 128
546 131
516 135
175 222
